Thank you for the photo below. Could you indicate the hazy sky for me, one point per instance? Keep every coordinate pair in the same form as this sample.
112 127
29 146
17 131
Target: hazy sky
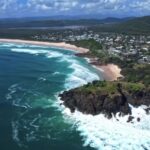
103 8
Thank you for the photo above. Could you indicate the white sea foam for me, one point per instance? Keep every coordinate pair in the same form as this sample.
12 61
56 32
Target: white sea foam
29 51
56 73
104 134
12 90
80 75
48 53
21 45
7 44
15 132
42 79
52 54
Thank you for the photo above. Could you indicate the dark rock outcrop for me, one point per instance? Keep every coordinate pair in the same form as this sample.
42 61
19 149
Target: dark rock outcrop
139 98
95 103
130 118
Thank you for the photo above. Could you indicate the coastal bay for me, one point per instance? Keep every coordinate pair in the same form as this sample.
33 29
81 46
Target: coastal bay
109 72
82 121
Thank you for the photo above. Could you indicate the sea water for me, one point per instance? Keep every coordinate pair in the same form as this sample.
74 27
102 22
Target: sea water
31 114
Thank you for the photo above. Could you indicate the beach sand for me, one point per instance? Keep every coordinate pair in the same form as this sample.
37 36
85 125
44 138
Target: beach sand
51 44
110 72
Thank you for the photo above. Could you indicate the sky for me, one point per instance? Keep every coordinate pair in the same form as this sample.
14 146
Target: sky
101 8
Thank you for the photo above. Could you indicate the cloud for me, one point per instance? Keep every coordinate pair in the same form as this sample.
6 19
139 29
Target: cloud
5 4
54 7
53 4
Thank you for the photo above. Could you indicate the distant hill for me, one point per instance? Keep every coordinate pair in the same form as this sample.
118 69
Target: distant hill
115 20
139 25
136 25
47 22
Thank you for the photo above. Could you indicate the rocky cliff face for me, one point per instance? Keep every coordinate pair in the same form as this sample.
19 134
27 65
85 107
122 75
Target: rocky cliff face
97 102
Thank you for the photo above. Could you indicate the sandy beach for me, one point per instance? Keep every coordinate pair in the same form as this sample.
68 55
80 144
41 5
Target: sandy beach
110 72
51 44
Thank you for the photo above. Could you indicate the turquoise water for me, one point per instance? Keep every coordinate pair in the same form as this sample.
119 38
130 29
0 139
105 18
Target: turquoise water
31 114
31 77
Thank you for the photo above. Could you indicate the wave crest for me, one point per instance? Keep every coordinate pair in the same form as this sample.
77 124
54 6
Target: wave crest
104 134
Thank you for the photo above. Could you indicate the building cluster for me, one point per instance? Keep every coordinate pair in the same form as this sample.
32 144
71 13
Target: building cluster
122 45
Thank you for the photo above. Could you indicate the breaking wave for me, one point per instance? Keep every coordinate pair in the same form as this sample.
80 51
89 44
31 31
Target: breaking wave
96 131
114 134
80 75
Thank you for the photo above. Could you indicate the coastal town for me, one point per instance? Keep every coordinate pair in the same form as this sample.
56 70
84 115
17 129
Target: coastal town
121 45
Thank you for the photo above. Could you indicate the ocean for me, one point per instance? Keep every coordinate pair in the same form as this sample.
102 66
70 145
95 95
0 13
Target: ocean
31 77
32 116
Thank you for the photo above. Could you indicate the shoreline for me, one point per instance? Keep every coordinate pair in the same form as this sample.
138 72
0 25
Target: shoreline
50 44
109 72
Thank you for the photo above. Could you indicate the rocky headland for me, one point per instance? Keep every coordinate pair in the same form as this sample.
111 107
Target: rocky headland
108 98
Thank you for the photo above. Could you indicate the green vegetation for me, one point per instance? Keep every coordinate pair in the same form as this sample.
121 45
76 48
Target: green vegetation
133 26
137 25
131 70
133 87
91 44
15 28
20 33
111 88
101 87
137 73
95 48
19 23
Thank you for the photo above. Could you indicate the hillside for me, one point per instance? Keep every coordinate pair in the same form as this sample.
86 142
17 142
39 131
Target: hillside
136 25
139 25
27 28
38 22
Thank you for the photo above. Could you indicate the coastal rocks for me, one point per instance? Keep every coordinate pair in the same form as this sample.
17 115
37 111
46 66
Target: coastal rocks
130 118
147 110
94 104
139 98
89 102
